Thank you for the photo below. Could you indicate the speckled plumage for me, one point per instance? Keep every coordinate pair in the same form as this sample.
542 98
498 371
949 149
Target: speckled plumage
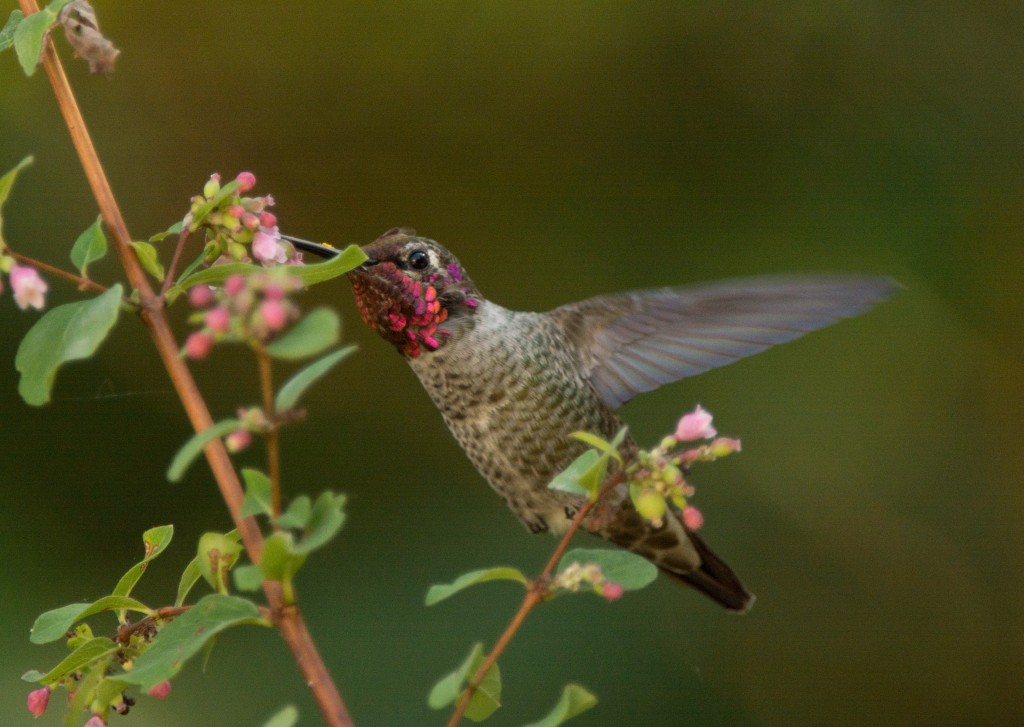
512 386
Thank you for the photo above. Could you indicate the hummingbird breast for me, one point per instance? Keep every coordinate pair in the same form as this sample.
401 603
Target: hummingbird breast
510 389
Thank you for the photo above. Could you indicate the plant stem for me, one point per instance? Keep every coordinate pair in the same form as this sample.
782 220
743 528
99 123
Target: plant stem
534 595
271 436
82 283
169 278
153 315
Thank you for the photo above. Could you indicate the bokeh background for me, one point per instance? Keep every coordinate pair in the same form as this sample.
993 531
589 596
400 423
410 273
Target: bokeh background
564 150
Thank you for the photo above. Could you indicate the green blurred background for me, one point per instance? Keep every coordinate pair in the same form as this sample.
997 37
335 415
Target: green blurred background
564 150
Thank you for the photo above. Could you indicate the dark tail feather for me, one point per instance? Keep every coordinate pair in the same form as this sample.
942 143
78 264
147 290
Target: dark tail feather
715 579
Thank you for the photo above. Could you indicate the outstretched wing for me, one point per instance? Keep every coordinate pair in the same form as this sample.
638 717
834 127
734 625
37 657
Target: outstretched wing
635 342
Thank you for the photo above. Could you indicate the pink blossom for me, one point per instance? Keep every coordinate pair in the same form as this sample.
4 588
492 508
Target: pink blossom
95 721
235 442
246 181
200 296
161 690
234 285
695 425
612 591
273 314
268 219
692 518
198 345
266 248
218 319
37 701
29 289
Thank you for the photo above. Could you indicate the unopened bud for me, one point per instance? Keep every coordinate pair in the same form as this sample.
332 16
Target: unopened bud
246 181
724 446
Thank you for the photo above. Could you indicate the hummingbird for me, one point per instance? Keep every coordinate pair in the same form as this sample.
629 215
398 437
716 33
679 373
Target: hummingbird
513 385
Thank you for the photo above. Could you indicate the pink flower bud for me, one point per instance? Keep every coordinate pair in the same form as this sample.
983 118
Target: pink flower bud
37 701
218 319
236 211
200 296
695 425
612 591
273 314
246 181
724 446
29 289
95 721
692 518
235 442
268 219
198 345
161 690
265 248
250 221
213 186
234 285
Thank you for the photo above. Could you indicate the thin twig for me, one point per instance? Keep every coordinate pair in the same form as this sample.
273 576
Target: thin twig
534 594
153 315
271 436
185 232
82 283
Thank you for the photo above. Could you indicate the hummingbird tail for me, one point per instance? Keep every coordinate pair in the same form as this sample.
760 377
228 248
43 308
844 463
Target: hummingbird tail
714 579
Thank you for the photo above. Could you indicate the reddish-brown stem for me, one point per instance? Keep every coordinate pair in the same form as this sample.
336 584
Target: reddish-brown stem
152 313
172 268
82 283
271 437
534 594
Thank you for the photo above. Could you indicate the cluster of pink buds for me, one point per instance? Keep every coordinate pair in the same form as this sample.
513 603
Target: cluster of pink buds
247 309
577 576
657 477
241 228
29 289
253 419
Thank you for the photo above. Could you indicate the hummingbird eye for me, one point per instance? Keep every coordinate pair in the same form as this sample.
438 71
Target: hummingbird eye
419 259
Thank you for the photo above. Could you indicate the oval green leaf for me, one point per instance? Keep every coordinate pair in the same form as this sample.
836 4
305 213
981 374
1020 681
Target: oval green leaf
154 540
7 32
629 570
192 448
65 333
258 499
149 258
324 522
53 624
78 659
441 591
191 575
297 385
316 331
287 717
574 700
186 635
90 246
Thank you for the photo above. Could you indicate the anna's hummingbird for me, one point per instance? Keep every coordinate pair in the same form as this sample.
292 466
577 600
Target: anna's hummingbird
512 386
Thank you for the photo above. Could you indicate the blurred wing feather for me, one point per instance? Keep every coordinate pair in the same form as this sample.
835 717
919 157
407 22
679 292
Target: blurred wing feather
634 342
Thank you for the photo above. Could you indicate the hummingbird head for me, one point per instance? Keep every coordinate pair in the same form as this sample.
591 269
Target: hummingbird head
412 291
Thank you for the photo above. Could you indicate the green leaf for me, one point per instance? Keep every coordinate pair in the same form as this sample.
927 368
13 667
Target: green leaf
7 181
448 688
629 570
323 523
258 499
297 514
199 216
186 635
90 246
85 654
441 591
65 333
598 443
575 700
7 33
487 696
155 540
174 229
316 331
280 561
53 624
297 385
216 274
568 480
150 259
28 39
247 577
287 717
217 555
194 446
192 573
349 259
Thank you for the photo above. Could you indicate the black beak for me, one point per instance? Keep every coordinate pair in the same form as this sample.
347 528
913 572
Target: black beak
321 249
